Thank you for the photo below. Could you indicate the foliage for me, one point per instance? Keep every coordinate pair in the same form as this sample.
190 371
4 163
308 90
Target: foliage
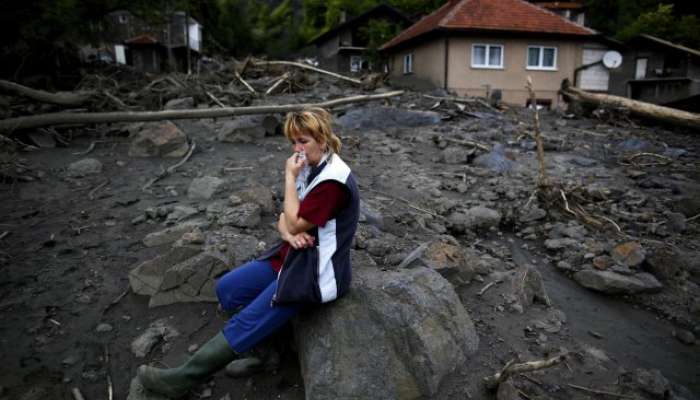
375 34
662 23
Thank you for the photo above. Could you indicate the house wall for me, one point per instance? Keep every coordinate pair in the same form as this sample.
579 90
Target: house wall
464 79
428 66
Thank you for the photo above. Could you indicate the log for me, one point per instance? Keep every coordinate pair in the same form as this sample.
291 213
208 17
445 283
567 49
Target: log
70 99
309 67
57 119
635 107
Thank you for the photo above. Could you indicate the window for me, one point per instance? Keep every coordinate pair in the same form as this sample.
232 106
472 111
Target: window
540 57
408 63
487 56
355 63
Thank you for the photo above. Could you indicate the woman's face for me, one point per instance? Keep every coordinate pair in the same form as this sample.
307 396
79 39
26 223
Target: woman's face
313 149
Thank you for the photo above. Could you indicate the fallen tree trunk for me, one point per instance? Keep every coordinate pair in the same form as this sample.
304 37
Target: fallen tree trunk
309 67
635 107
55 119
70 99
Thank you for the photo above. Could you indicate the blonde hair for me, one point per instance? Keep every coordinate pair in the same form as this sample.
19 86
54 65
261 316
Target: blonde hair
315 122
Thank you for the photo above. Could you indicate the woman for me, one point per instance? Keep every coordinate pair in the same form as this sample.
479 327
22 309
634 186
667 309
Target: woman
311 265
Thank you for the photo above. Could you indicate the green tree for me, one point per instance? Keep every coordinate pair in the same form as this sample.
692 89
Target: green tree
663 23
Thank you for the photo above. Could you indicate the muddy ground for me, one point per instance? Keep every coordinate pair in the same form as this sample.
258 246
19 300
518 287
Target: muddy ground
71 243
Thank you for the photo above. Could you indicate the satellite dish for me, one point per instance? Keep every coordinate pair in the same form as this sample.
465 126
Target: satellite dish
612 59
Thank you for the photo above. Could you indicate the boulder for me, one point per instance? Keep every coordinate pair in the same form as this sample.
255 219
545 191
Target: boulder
243 129
496 160
374 117
205 188
614 283
192 280
260 195
630 254
162 139
526 287
244 216
84 167
396 335
446 258
172 233
145 278
455 155
474 218
158 331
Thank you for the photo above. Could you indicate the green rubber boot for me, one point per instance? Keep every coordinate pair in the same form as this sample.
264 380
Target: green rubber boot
176 382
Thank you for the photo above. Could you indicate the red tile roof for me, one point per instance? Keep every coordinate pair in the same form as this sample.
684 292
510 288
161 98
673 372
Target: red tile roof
490 15
561 5
142 39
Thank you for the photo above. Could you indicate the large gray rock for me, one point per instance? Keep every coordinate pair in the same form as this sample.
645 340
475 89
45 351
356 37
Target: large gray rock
243 129
260 195
172 233
205 188
373 117
614 283
158 331
244 216
455 155
188 273
84 167
474 218
396 335
162 139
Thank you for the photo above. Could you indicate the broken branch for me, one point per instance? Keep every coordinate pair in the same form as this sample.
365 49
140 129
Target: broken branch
246 84
60 98
589 390
309 67
511 368
172 168
53 119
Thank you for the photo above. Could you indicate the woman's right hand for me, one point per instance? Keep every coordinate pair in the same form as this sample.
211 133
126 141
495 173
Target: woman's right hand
300 240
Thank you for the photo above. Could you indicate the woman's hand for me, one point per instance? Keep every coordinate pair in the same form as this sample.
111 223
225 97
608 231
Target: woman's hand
300 240
293 165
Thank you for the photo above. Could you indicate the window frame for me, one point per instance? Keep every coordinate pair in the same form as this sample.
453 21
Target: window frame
488 47
539 66
358 59
408 64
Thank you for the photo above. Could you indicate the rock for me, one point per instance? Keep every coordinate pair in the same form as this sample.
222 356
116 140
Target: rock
205 188
455 155
157 331
630 254
615 283
138 392
559 244
146 277
172 233
525 287
474 218
380 117
84 167
687 205
495 160
446 258
370 215
244 216
162 139
676 222
684 336
260 195
101 328
182 103
665 262
180 213
396 335
243 129
531 214
602 262
42 139
649 381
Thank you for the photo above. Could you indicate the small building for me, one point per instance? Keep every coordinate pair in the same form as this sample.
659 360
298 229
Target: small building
660 72
146 53
489 47
343 48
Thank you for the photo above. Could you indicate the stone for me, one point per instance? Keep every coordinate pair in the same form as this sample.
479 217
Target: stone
243 129
665 262
370 215
173 233
530 214
649 381
687 205
205 188
244 216
260 195
496 160
396 335
474 218
179 213
163 139
507 391
684 336
103 327
602 262
559 244
182 103
525 287
145 278
676 222
192 280
630 254
84 167
455 155
158 331
614 283
381 117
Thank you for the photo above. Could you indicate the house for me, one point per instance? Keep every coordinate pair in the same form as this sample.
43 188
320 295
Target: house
343 48
489 47
657 71
147 46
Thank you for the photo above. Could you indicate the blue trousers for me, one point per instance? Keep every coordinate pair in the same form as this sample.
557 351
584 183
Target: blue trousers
251 286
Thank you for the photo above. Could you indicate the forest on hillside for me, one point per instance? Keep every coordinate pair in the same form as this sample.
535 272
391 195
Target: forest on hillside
35 31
